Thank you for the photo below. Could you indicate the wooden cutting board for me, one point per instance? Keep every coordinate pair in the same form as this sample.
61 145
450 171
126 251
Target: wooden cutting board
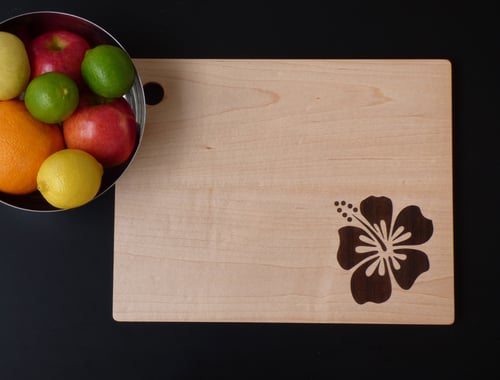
315 191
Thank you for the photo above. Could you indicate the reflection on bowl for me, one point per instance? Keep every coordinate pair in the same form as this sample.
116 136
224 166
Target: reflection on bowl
29 25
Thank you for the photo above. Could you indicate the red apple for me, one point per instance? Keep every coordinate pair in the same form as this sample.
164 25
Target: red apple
60 51
105 128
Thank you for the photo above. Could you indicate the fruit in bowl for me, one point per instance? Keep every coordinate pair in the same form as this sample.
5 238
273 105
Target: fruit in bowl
74 79
24 144
108 71
69 178
14 66
104 128
51 97
60 51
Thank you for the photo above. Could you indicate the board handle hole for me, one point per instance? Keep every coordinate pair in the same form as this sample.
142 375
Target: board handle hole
153 93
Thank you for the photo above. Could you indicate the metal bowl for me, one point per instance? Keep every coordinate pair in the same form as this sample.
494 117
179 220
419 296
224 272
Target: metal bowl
28 25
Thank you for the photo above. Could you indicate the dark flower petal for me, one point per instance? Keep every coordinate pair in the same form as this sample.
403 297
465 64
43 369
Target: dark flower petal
374 288
415 263
412 220
349 240
376 209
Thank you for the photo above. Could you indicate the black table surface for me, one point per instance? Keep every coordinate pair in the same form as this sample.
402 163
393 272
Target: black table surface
56 269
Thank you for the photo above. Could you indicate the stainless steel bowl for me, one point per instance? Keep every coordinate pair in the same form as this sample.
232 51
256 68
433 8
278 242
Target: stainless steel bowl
28 25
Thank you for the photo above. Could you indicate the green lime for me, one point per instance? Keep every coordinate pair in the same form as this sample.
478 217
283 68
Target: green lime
108 71
69 178
51 97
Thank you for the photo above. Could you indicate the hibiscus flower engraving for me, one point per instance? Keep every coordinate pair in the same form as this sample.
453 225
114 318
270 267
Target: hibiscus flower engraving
380 250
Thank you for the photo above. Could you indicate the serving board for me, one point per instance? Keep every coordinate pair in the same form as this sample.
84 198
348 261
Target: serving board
298 191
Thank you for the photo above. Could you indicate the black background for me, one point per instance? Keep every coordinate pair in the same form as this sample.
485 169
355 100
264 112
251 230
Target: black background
56 270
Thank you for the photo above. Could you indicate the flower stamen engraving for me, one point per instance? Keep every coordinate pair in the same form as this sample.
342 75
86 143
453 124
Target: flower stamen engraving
380 250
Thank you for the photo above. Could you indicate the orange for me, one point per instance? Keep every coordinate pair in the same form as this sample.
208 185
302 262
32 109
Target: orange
24 144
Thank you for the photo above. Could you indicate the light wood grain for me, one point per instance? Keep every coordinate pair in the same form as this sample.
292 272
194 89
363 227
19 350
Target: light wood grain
227 212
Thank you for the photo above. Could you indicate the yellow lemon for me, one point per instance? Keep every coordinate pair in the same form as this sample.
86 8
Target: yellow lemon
14 66
69 178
